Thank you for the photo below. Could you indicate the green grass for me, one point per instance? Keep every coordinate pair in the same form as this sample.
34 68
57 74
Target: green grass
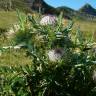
87 27
7 19
14 58
11 57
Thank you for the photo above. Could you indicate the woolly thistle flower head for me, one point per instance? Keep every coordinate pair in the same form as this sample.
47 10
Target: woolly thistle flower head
55 54
48 19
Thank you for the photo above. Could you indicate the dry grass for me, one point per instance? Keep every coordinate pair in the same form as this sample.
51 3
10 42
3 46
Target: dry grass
87 27
7 19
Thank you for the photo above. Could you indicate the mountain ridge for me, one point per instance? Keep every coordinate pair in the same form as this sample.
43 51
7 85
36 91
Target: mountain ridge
88 9
44 8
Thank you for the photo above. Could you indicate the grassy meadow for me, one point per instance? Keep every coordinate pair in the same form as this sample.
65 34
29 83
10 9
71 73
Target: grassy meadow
10 57
87 27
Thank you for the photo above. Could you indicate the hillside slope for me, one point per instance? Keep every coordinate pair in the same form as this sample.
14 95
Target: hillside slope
9 5
88 9
26 5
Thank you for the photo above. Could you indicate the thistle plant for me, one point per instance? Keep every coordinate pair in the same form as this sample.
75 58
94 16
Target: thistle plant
61 66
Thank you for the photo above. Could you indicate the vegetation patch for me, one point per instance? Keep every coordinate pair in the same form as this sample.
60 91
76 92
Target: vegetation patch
62 64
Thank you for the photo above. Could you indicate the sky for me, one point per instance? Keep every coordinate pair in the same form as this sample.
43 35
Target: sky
75 4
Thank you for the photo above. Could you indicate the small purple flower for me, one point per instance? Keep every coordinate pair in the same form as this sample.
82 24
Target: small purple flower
48 19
